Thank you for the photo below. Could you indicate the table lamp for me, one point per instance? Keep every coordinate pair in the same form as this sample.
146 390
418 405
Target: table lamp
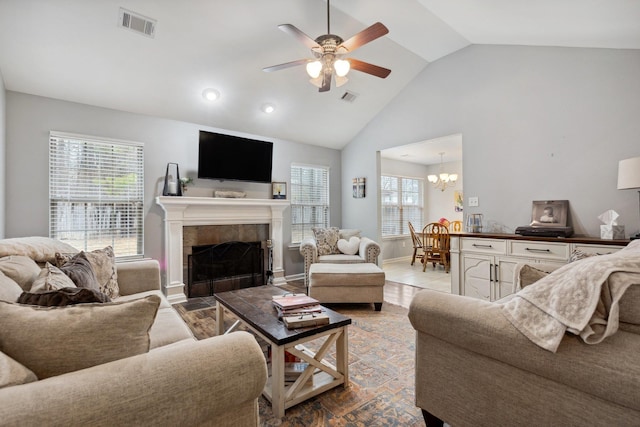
629 177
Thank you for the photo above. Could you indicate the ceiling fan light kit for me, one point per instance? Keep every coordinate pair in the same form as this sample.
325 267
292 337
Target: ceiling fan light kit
329 53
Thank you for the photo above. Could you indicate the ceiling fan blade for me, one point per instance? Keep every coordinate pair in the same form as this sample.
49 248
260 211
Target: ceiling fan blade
365 67
365 36
326 82
285 65
302 37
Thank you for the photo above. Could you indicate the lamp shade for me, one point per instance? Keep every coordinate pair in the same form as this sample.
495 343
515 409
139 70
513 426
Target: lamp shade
629 173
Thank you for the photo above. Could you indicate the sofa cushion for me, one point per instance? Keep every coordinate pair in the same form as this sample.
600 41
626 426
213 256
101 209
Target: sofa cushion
9 289
529 275
22 269
103 263
326 240
349 247
348 233
80 271
39 249
13 373
62 297
51 279
55 340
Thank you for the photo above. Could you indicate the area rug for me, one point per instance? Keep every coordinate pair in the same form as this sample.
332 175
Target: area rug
381 372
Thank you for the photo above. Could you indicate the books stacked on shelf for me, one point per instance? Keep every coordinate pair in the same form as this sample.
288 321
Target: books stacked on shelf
293 366
299 310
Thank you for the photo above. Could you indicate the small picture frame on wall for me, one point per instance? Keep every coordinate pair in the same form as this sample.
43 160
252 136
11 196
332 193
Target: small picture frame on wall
359 188
550 213
279 190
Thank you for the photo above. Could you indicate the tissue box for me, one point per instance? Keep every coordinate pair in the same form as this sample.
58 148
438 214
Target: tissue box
611 232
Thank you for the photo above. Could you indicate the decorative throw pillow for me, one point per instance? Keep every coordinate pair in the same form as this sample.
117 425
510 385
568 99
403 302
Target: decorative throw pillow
348 233
81 272
530 275
62 297
9 289
103 262
66 339
22 269
39 249
349 247
13 373
50 279
327 240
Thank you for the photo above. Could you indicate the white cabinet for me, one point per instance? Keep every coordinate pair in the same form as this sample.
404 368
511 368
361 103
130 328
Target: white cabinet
482 266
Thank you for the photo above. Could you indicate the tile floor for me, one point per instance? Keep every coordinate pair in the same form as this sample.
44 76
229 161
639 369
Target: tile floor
401 271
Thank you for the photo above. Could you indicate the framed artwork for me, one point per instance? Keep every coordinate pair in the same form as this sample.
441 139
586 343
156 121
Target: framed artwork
550 213
457 201
279 190
359 185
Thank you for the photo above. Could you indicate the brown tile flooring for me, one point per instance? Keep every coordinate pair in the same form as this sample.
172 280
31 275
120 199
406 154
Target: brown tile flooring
394 293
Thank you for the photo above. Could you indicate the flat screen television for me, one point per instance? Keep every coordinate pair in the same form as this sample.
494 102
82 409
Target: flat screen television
227 157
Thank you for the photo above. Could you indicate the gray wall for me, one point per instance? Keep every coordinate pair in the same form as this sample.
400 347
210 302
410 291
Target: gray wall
537 123
3 169
30 118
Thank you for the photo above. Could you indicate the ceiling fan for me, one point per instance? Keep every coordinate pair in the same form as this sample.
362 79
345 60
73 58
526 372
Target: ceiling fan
329 51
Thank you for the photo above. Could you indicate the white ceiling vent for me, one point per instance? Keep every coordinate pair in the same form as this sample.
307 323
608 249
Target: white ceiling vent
136 22
349 96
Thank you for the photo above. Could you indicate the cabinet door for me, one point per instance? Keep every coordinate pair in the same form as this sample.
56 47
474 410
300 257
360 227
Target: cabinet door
477 276
504 277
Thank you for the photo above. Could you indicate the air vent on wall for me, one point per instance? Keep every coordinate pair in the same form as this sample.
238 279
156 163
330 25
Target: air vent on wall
349 96
136 22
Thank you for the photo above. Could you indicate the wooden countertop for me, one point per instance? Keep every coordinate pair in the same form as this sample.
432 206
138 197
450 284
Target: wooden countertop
585 240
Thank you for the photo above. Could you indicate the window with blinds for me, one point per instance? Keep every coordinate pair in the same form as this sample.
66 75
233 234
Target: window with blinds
402 202
96 193
309 200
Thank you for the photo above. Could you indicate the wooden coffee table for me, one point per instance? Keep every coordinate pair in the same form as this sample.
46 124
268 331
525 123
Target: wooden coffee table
254 309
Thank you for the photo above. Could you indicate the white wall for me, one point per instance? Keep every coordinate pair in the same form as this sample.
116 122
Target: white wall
30 118
538 123
3 169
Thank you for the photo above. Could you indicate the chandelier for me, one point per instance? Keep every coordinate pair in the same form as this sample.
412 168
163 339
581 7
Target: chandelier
443 180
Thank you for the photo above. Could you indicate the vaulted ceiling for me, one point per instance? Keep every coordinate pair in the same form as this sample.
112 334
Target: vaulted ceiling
74 50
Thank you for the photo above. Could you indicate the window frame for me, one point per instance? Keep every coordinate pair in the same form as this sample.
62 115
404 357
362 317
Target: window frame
402 221
303 229
95 193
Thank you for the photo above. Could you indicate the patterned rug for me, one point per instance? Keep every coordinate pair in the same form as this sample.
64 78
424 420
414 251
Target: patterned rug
381 372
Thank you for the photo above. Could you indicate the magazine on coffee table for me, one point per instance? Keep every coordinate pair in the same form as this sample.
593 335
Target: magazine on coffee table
291 301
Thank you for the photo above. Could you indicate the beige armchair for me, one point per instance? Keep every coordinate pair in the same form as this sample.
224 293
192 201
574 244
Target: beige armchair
368 251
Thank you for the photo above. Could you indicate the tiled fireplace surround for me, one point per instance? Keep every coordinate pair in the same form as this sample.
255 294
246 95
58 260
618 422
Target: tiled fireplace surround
186 222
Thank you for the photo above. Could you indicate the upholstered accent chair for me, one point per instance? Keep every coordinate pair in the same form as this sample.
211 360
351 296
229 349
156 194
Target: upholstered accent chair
337 246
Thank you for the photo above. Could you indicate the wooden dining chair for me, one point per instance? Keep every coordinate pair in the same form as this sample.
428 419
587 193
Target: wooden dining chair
417 245
436 245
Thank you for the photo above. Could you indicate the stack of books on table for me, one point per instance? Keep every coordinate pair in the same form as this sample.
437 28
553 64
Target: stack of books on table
299 310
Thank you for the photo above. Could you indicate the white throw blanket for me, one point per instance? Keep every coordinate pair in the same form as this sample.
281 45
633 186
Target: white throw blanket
581 297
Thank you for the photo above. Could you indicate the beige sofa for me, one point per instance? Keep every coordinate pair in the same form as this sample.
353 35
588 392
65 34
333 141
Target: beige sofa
179 381
368 251
474 368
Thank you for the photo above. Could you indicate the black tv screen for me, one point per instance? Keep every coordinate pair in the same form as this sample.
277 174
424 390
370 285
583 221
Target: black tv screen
234 158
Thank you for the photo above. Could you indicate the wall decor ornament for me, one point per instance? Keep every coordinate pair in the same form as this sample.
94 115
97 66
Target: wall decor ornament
457 201
172 183
279 190
359 188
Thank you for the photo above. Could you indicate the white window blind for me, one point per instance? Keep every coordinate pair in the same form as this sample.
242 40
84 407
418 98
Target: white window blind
309 200
96 193
402 202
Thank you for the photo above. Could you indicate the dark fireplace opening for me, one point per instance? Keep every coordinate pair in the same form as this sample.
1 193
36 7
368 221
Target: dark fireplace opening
224 267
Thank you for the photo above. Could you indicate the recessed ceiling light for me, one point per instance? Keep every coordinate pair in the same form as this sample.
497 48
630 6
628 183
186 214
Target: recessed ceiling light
210 94
268 108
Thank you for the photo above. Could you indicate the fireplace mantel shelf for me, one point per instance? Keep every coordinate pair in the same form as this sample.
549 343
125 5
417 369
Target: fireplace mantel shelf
183 211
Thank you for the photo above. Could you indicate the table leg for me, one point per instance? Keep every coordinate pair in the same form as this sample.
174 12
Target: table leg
219 319
277 380
342 355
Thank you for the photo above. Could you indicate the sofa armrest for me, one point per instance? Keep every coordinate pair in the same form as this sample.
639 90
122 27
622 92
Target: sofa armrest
138 276
309 252
369 250
208 382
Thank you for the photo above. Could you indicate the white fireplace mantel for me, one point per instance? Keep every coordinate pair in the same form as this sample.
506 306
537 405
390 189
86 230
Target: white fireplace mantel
185 211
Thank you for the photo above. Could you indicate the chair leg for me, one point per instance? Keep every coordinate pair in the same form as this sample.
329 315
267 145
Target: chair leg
413 258
431 420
